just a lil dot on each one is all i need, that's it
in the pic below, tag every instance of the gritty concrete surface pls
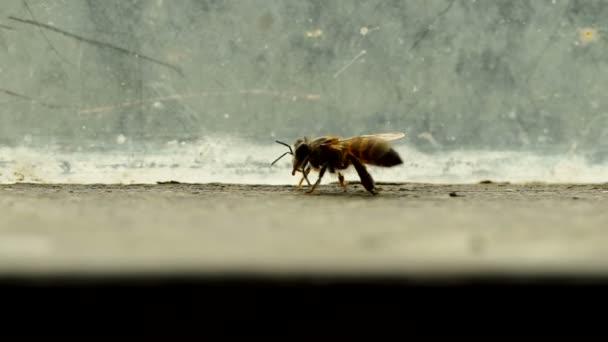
(411, 229)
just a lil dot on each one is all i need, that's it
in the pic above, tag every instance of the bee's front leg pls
(300, 183)
(321, 173)
(304, 177)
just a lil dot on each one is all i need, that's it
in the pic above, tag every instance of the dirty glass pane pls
(197, 91)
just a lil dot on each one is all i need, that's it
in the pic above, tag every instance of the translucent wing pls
(383, 136)
(324, 141)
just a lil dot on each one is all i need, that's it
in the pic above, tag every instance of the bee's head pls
(300, 157)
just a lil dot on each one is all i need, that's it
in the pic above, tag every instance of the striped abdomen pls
(373, 151)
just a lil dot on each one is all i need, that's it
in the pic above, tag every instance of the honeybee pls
(335, 154)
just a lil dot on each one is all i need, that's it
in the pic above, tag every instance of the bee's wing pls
(383, 136)
(329, 140)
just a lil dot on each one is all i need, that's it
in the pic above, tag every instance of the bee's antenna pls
(288, 146)
(282, 155)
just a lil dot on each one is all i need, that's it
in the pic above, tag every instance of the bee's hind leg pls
(366, 179)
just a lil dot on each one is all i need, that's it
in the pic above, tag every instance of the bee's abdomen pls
(375, 152)
(390, 158)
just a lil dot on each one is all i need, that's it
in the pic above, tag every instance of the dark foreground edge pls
(302, 305)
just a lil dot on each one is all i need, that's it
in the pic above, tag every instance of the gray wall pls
(489, 74)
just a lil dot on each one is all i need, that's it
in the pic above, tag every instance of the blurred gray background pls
(453, 74)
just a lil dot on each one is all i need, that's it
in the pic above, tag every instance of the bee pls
(334, 154)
